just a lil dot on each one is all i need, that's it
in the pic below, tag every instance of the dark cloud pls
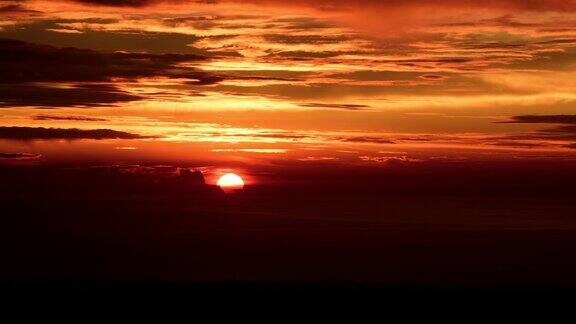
(28, 62)
(365, 139)
(17, 10)
(19, 156)
(335, 106)
(28, 70)
(74, 118)
(41, 133)
(543, 119)
(516, 144)
(82, 95)
(433, 77)
(436, 61)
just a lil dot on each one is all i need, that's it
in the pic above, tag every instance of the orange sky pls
(256, 82)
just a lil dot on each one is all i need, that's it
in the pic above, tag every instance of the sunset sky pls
(249, 85)
(199, 144)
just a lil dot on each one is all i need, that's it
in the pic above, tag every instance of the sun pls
(230, 182)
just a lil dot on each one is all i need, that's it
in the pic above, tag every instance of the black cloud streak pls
(92, 73)
(19, 156)
(366, 139)
(84, 95)
(41, 133)
(74, 118)
(542, 119)
(335, 106)
(27, 62)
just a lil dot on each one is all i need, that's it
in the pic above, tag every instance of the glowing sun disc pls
(230, 181)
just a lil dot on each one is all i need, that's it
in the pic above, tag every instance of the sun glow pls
(230, 182)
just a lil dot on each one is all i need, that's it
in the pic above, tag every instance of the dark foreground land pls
(404, 230)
